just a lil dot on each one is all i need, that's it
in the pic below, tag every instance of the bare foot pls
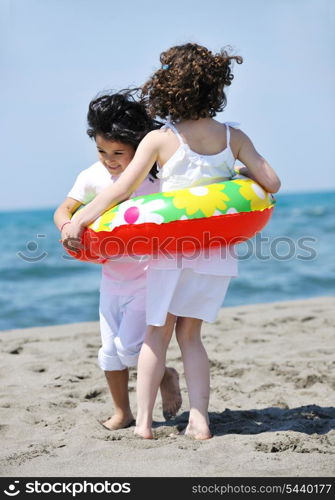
(199, 433)
(118, 421)
(143, 432)
(171, 395)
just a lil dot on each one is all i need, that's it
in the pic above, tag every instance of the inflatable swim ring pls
(179, 221)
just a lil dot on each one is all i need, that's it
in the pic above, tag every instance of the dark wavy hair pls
(120, 117)
(190, 84)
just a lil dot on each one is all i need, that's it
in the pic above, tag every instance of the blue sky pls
(56, 55)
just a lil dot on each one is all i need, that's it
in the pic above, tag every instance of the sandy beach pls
(272, 401)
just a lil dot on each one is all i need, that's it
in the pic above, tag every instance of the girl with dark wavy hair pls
(192, 150)
(117, 123)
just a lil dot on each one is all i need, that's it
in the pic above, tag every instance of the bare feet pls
(170, 391)
(199, 433)
(118, 421)
(143, 432)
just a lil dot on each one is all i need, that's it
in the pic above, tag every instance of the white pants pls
(122, 326)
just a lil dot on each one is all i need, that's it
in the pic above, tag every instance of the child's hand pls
(71, 236)
(64, 231)
(242, 171)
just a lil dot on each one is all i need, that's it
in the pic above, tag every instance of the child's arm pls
(135, 173)
(257, 168)
(63, 214)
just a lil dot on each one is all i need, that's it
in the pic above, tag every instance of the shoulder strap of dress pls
(230, 124)
(170, 125)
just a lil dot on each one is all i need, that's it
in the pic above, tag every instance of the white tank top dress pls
(191, 285)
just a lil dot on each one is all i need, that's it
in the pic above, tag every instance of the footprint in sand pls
(308, 381)
(16, 350)
(37, 369)
(288, 444)
(307, 318)
(306, 444)
(92, 394)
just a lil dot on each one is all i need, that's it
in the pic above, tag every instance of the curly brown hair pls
(190, 84)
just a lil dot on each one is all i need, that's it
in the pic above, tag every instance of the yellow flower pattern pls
(102, 222)
(208, 200)
(250, 190)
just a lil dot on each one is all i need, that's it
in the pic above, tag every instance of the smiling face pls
(114, 155)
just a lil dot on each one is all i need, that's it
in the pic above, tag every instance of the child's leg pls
(115, 371)
(118, 385)
(196, 367)
(170, 392)
(128, 343)
(151, 366)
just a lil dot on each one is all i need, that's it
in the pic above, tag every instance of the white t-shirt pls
(95, 178)
(124, 274)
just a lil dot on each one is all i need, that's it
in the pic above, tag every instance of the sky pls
(56, 55)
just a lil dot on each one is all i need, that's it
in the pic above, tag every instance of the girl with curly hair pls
(117, 123)
(192, 149)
